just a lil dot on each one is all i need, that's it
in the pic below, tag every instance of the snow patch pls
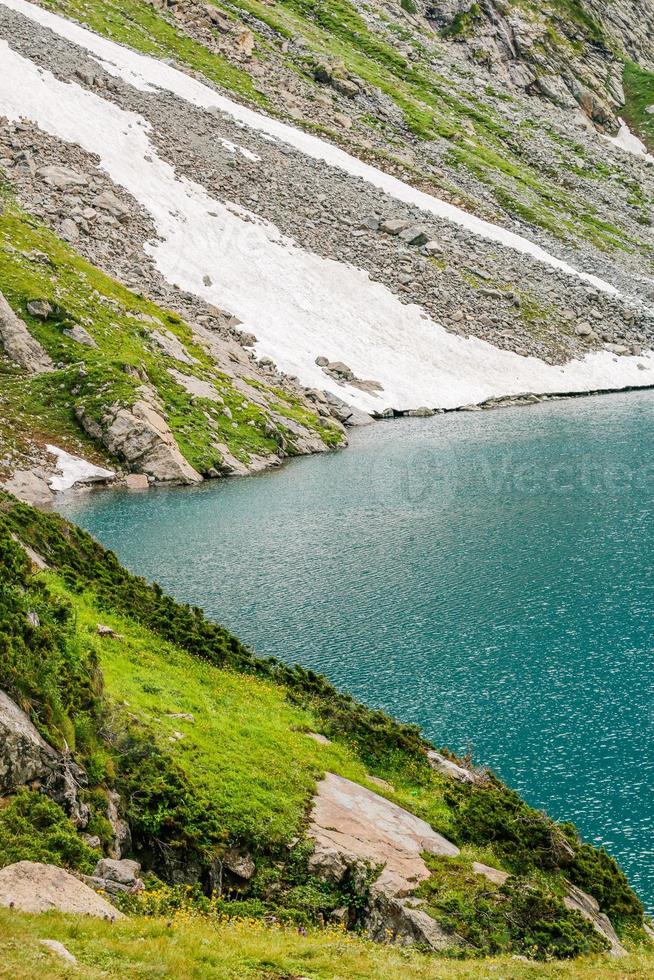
(149, 75)
(298, 304)
(235, 148)
(73, 469)
(626, 140)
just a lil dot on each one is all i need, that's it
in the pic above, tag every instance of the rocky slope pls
(482, 237)
(203, 781)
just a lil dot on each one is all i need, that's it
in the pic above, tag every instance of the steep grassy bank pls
(210, 750)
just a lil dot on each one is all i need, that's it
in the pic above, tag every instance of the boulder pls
(107, 201)
(39, 308)
(115, 876)
(449, 768)
(354, 829)
(141, 437)
(63, 178)
(19, 344)
(393, 226)
(351, 825)
(30, 488)
(578, 901)
(398, 920)
(240, 864)
(414, 235)
(32, 887)
(58, 949)
(80, 336)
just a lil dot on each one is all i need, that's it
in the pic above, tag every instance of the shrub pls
(33, 828)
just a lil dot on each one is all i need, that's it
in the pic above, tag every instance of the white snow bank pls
(298, 304)
(74, 470)
(148, 74)
(626, 140)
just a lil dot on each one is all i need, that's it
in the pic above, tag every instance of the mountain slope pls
(214, 757)
(472, 243)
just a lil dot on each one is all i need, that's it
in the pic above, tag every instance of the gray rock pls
(122, 838)
(393, 226)
(40, 308)
(31, 887)
(62, 178)
(241, 865)
(26, 758)
(58, 949)
(578, 901)
(107, 201)
(414, 235)
(18, 342)
(69, 230)
(80, 336)
(123, 871)
(449, 768)
(30, 488)
(141, 437)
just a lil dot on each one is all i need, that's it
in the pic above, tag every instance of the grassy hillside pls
(36, 264)
(209, 749)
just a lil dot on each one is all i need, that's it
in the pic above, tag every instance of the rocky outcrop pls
(566, 57)
(353, 828)
(451, 769)
(121, 834)
(32, 887)
(116, 877)
(27, 759)
(141, 437)
(19, 344)
(576, 900)
(29, 487)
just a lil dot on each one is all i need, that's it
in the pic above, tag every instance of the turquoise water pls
(486, 575)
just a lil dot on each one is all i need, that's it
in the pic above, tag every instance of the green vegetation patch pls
(639, 97)
(142, 27)
(520, 916)
(33, 828)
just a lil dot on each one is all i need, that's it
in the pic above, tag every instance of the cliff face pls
(251, 788)
(571, 53)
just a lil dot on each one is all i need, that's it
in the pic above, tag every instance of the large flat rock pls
(32, 887)
(350, 824)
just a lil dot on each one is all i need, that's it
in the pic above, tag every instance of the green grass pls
(247, 750)
(194, 949)
(141, 27)
(639, 95)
